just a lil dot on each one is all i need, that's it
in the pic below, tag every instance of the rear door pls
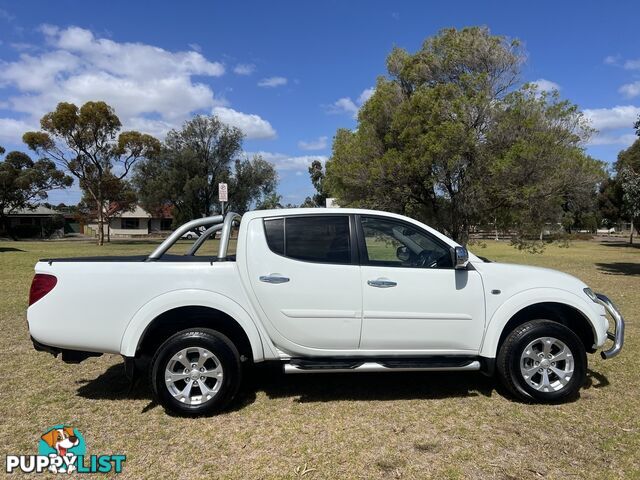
(305, 275)
(413, 298)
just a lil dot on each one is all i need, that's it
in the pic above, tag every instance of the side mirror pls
(461, 257)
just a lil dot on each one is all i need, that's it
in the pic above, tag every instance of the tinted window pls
(274, 230)
(318, 239)
(314, 239)
(396, 244)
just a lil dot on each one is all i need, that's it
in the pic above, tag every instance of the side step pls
(387, 365)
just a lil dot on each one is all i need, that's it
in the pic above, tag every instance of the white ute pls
(320, 290)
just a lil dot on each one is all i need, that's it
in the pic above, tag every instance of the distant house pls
(135, 223)
(34, 222)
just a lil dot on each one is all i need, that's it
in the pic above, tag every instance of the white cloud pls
(319, 143)
(623, 140)
(38, 74)
(272, 82)
(632, 64)
(346, 105)
(613, 124)
(150, 88)
(4, 15)
(366, 95)
(630, 90)
(285, 162)
(621, 116)
(135, 60)
(196, 47)
(244, 69)
(253, 126)
(157, 128)
(612, 60)
(11, 130)
(545, 85)
(23, 46)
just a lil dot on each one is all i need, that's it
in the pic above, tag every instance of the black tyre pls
(542, 361)
(196, 372)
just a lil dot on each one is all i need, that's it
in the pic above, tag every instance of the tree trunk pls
(100, 224)
(631, 236)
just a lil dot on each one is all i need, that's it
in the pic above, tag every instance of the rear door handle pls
(382, 283)
(274, 278)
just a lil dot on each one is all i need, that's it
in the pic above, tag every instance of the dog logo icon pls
(61, 449)
(63, 441)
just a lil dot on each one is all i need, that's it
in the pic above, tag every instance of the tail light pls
(40, 286)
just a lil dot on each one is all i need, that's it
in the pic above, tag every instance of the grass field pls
(333, 425)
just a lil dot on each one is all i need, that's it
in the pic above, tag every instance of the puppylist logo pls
(62, 449)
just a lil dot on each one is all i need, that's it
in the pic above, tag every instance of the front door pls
(304, 273)
(413, 298)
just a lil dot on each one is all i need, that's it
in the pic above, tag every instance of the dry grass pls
(333, 425)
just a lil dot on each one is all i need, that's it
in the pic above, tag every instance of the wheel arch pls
(178, 310)
(562, 308)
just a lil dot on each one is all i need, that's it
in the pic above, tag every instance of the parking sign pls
(223, 192)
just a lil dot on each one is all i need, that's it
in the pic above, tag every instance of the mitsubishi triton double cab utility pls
(320, 290)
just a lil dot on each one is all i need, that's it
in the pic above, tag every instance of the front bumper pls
(618, 334)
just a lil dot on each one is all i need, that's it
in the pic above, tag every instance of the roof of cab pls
(344, 211)
(316, 211)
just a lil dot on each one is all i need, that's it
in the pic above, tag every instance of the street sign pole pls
(223, 195)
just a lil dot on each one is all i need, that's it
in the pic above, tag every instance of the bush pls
(554, 237)
(52, 224)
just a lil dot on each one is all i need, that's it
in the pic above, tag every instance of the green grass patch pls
(424, 425)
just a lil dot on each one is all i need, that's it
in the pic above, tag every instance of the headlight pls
(591, 295)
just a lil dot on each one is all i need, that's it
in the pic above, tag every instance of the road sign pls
(223, 192)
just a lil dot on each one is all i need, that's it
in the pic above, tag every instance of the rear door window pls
(318, 238)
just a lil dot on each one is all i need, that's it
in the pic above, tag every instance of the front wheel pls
(542, 361)
(196, 372)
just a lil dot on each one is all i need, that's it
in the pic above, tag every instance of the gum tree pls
(88, 143)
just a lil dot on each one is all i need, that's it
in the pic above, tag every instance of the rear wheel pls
(196, 372)
(542, 361)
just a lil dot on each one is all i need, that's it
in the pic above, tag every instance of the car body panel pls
(438, 311)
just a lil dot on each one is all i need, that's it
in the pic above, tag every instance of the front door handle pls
(381, 283)
(274, 278)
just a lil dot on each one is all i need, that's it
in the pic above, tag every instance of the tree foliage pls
(23, 181)
(628, 175)
(87, 142)
(253, 181)
(449, 137)
(317, 176)
(610, 202)
(193, 161)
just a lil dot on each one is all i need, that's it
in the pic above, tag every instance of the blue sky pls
(289, 73)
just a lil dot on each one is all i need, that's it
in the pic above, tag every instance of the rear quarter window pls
(274, 231)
